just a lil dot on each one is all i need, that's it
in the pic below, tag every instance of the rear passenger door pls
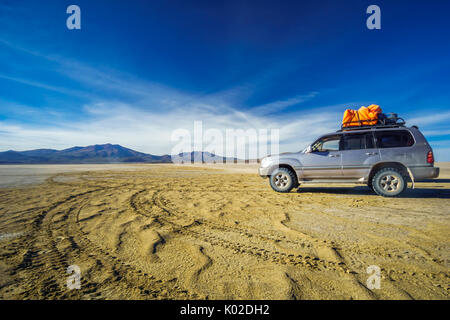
(359, 154)
(395, 145)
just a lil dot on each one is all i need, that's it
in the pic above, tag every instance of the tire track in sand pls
(198, 230)
(45, 260)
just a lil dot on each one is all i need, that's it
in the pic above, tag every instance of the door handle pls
(333, 155)
(371, 153)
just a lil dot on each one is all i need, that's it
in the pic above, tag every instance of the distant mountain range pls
(104, 153)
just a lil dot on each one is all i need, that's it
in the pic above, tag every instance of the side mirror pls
(308, 149)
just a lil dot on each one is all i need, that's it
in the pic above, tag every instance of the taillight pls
(430, 158)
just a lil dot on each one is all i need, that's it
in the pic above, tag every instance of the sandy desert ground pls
(215, 232)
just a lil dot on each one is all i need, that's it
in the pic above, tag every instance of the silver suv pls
(383, 157)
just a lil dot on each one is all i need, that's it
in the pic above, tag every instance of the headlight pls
(265, 162)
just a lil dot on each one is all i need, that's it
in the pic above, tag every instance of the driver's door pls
(324, 160)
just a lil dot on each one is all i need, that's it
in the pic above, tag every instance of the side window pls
(394, 139)
(330, 143)
(357, 141)
(369, 141)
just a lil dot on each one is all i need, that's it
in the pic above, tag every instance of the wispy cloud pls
(277, 106)
(41, 85)
(150, 131)
(431, 117)
(141, 114)
(434, 133)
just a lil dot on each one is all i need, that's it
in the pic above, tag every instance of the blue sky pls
(138, 70)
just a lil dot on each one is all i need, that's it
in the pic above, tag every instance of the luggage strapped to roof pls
(369, 117)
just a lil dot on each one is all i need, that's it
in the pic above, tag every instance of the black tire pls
(389, 182)
(283, 180)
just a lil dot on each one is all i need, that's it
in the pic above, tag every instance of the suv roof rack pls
(389, 120)
(376, 126)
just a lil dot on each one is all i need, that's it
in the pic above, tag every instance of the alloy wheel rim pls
(281, 180)
(390, 182)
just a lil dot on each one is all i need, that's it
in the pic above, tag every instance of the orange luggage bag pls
(365, 116)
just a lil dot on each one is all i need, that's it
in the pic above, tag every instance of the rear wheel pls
(389, 182)
(283, 180)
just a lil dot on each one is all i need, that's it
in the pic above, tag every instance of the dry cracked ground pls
(215, 232)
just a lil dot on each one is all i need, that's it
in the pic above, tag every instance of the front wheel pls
(283, 180)
(388, 182)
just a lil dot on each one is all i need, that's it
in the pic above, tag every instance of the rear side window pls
(394, 139)
(356, 141)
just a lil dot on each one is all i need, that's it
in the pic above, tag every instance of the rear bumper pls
(420, 173)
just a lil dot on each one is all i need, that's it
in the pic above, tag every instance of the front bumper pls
(420, 173)
(264, 172)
